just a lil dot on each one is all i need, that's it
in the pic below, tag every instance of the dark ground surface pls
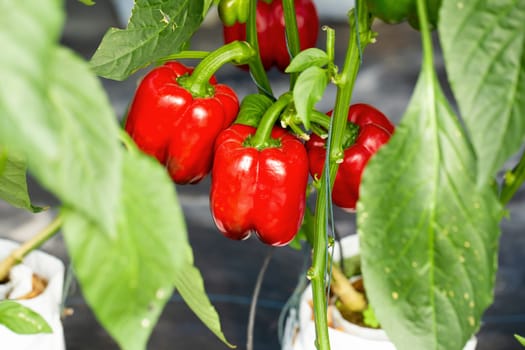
(230, 268)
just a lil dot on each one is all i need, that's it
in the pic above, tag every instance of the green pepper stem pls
(344, 93)
(264, 130)
(292, 34)
(237, 51)
(513, 181)
(330, 43)
(185, 55)
(350, 133)
(256, 67)
(428, 56)
(36, 241)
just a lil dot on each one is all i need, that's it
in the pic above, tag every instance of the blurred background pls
(229, 268)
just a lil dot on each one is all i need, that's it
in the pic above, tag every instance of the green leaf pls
(190, 285)
(484, 50)
(157, 28)
(128, 279)
(520, 339)
(308, 90)
(3, 161)
(87, 2)
(307, 58)
(252, 109)
(428, 231)
(21, 319)
(13, 184)
(55, 113)
(24, 70)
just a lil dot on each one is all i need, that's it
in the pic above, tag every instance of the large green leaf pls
(13, 184)
(429, 233)
(484, 50)
(21, 319)
(55, 112)
(127, 279)
(156, 29)
(29, 31)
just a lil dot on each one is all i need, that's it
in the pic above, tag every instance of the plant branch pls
(36, 241)
(359, 26)
(255, 297)
(256, 67)
(513, 181)
(292, 34)
(349, 296)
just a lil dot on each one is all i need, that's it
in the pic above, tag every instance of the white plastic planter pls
(301, 335)
(47, 304)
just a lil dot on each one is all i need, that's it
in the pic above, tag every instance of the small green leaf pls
(252, 109)
(369, 317)
(491, 92)
(307, 58)
(308, 90)
(13, 184)
(428, 231)
(135, 271)
(21, 319)
(87, 2)
(520, 339)
(157, 28)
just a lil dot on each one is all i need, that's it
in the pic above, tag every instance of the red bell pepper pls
(259, 190)
(374, 130)
(271, 31)
(166, 121)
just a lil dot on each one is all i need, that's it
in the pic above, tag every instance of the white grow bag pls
(47, 304)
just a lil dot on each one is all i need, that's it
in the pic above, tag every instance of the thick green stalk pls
(36, 241)
(198, 82)
(359, 33)
(264, 130)
(185, 55)
(292, 34)
(256, 67)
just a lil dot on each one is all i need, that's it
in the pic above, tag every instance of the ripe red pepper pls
(271, 31)
(259, 190)
(167, 122)
(374, 130)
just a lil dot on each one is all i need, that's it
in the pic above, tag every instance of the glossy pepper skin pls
(261, 191)
(271, 31)
(374, 131)
(397, 11)
(232, 11)
(178, 129)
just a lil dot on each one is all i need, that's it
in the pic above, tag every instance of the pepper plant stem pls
(256, 67)
(345, 84)
(185, 55)
(264, 130)
(292, 34)
(513, 181)
(237, 51)
(36, 241)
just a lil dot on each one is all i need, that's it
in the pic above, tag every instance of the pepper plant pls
(429, 198)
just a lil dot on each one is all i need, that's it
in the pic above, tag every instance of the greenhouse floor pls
(230, 268)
